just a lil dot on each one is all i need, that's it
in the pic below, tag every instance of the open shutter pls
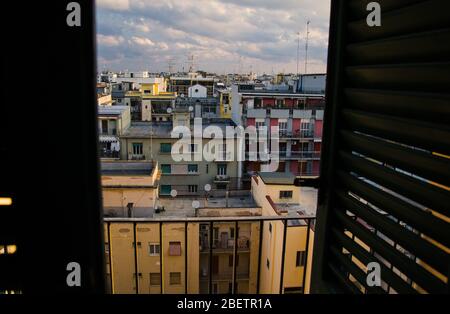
(385, 170)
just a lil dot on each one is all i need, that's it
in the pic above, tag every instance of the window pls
(222, 169)
(174, 248)
(280, 103)
(300, 259)
(192, 168)
(270, 227)
(231, 233)
(104, 126)
(285, 194)
(215, 234)
(260, 124)
(155, 279)
(165, 189)
(153, 249)
(165, 147)
(282, 126)
(207, 168)
(193, 188)
(257, 102)
(137, 148)
(175, 278)
(166, 169)
(267, 263)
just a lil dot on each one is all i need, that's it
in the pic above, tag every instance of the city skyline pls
(222, 36)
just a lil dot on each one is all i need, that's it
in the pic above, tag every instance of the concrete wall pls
(272, 241)
(197, 91)
(123, 257)
(206, 170)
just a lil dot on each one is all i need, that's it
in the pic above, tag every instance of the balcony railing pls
(106, 153)
(133, 242)
(296, 154)
(306, 154)
(222, 178)
(136, 157)
(297, 134)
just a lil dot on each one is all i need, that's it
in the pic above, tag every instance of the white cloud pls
(109, 40)
(260, 33)
(119, 5)
(141, 41)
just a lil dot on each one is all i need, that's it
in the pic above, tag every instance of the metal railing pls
(109, 153)
(208, 247)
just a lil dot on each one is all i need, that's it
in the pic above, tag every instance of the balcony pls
(218, 246)
(136, 157)
(107, 153)
(217, 259)
(221, 178)
(305, 154)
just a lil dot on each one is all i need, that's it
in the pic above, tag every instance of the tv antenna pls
(306, 46)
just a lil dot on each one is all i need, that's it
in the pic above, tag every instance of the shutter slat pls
(433, 137)
(421, 192)
(346, 283)
(410, 48)
(356, 272)
(357, 8)
(405, 104)
(421, 248)
(422, 163)
(404, 264)
(413, 216)
(414, 18)
(425, 77)
(389, 276)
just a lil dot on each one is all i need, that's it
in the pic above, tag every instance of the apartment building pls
(112, 122)
(181, 84)
(311, 83)
(153, 141)
(286, 245)
(224, 103)
(129, 188)
(299, 118)
(221, 245)
(139, 78)
(205, 107)
(148, 101)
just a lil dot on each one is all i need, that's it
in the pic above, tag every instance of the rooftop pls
(184, 206)
(163, 129)
(112, 110)
(124, 168)
(277, 178)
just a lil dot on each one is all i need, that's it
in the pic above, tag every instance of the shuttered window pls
(385, 172)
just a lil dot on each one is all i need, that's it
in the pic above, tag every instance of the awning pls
(108, 138)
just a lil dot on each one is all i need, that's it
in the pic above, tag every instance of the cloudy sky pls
(224, 36)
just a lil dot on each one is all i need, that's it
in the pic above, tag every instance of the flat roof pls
(183, 206)
(277, 178)
(112, 110)
(163, 129)
(124, 168)
(264, 92)
(187, 78)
